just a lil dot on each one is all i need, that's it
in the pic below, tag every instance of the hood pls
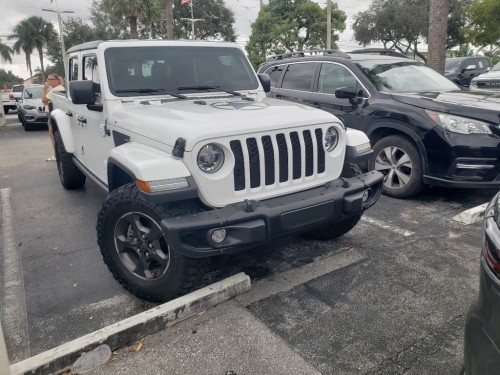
(476, 104)
(34, 102)
(492, 74)
(204, 119)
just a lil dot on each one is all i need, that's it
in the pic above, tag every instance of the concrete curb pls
(136, 327)
(472, 215)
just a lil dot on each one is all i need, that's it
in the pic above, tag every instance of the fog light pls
(366, 195)
(218, 235)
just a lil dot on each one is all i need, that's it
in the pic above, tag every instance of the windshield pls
(33, 92)
(453, 63)
(152, 70)
(404, 76)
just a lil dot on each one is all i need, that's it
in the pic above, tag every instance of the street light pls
(65, 62)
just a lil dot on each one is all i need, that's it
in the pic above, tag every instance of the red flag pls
(183, 2)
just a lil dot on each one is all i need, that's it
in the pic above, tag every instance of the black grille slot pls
(297, 162)
(254, 158)
(308, 144)
(321, 151)
(239, 166)
(268, 158)
(283, 155)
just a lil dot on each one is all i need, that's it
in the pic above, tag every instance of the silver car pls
(487, 81)
(31, 111)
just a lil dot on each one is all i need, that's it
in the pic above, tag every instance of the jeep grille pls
(264, 155)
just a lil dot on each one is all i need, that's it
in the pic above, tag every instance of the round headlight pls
(210, 158)
(331, 138)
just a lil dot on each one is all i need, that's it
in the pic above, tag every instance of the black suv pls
(461, 70)
(424, 129)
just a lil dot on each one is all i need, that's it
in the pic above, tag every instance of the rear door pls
(297, 82)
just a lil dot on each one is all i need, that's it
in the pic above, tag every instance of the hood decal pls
(240, 105)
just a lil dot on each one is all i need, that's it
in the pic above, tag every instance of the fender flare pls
(404, 129)
(141, 162)
(61, 122)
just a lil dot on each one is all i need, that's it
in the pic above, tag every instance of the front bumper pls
(249, 223)
(463, 160)
(32, 117)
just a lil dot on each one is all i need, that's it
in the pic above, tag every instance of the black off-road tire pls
(5, 109)
(71, 177)
(402, 179)
(181, 273)
(333, 230)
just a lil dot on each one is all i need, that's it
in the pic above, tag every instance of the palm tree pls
(24, 35)
(33, 33)
(169, 4)
(438, 27)
(5, 52)
(135, 10)
(43, 34)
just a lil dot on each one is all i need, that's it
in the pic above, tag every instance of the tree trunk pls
(133, 27)
(169, 4)
(40, 53)
(438, 27)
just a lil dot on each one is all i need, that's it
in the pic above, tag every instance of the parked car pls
(424, 129)
(31, 111)
(487, 81)
(482, 325)
(10, 98)
(462, 70)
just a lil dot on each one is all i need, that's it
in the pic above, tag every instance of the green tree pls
(107, 25)
(134, 11)
(24, 42)
(33, 33)
(9, 79)
(5, 52)
(217, 24)
(484, 27)
(291, 25)
(404, 24)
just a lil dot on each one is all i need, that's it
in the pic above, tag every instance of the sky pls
(245, 12)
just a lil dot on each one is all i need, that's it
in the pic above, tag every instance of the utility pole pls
(329, 24)
(61, 37)
(192, 20)
(261, 4)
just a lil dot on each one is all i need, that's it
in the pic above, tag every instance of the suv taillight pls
(11, 96)
(492, 254)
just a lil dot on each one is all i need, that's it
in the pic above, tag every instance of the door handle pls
(69, 113)
(81, 119)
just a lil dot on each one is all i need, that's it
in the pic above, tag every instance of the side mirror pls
(265, 81)
(346, 93)
(84, 92)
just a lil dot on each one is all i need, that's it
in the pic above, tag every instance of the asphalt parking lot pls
(390, 297)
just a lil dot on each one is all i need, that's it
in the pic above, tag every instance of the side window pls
(274, 73)
(299, 76)
(73, 68)
(468, 63)
(334, 76)
(90, 72)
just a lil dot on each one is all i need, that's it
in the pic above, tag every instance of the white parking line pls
(13, 304)
(389, 227)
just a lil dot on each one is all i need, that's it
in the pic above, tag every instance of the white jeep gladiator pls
(197, 160)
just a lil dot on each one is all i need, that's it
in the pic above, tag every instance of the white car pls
(487, 81)
(197, 160)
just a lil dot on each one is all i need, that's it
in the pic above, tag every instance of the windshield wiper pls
(235, 93)
(152, 91)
